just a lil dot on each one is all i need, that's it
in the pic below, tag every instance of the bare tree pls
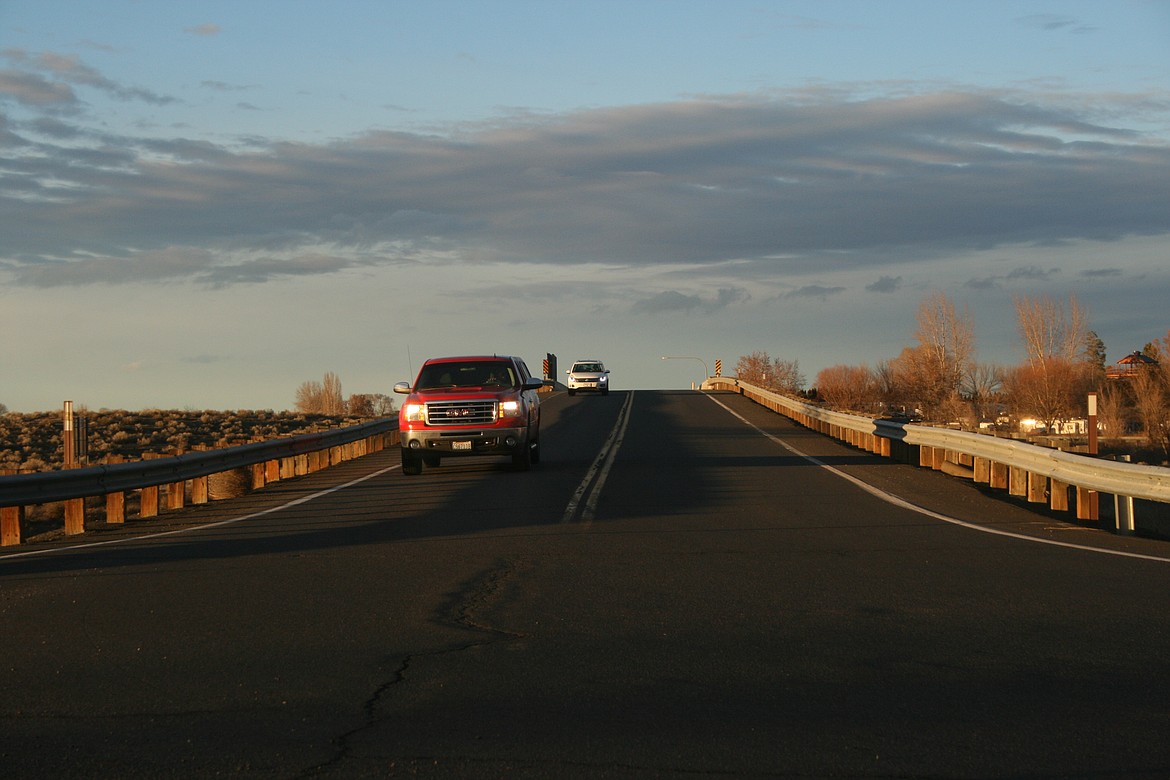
(370, 405)
(1049, 330)
(1059, 370)
(1051, 390)
(1112, 410)
(787, 376)
(854, 388)
(760, 369)
(1151, 391)
(321, 397)
(360, 405)
(935, 368)
(332, 401)
(753, 368)
(884, 380)
(981, 388)
(309, 397)
(1094, 355)
(383, 405)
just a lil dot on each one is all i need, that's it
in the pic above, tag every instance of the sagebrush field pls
(34, 441)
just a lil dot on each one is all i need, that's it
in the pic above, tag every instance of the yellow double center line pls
(599, 470)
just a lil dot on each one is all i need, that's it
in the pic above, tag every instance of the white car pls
(588, 375)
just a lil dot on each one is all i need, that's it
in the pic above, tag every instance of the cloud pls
(223, 86)
(814, 291)
(63, 70)
(726, 296)
(1029, 273)
(763, 189)
(886, 284)
(667, 301)
(206, 30)
(33, 90)
(154, 266)
(1054, 23)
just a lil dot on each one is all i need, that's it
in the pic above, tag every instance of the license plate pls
(460, 445)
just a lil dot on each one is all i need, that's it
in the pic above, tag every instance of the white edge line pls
(904, 504)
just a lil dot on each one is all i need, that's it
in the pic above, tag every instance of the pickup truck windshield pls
(440, 375)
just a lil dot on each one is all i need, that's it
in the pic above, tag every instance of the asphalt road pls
(687, 585)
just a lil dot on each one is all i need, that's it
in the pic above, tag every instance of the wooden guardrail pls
(259, 463)
(1066, 481)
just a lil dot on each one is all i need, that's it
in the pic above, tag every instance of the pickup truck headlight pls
(509, 408)
(414, 412)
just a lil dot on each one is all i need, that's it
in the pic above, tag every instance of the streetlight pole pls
(706, 373)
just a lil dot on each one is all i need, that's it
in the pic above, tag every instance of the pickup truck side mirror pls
(402, 387)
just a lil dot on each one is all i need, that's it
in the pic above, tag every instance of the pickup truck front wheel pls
(411, 463)
(522, 461)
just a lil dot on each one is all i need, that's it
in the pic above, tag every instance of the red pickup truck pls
(468, 406)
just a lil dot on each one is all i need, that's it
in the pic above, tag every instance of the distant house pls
(1075, 427)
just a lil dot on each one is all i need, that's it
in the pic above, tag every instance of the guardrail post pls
(10, 521)
(1086, 503)
(11, 518)
(200, 490)
(1037, 488)
(981, 468)
(176, 495)
(999, 475)
(74, 507)
(74, 516)
(272, 471)
(1123, 511)
(148, 496)
(148, 501)
(199, 493)
(1017, 481)
(1058, 495)
(116, 501)
(1123, 508)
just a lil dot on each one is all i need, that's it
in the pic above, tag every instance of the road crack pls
(464, 608)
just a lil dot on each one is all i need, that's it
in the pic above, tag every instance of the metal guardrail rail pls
(1127, 480)
(20, 490)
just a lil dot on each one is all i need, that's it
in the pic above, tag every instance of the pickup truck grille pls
(461, 412)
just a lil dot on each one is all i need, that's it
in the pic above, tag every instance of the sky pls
(204, 205)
